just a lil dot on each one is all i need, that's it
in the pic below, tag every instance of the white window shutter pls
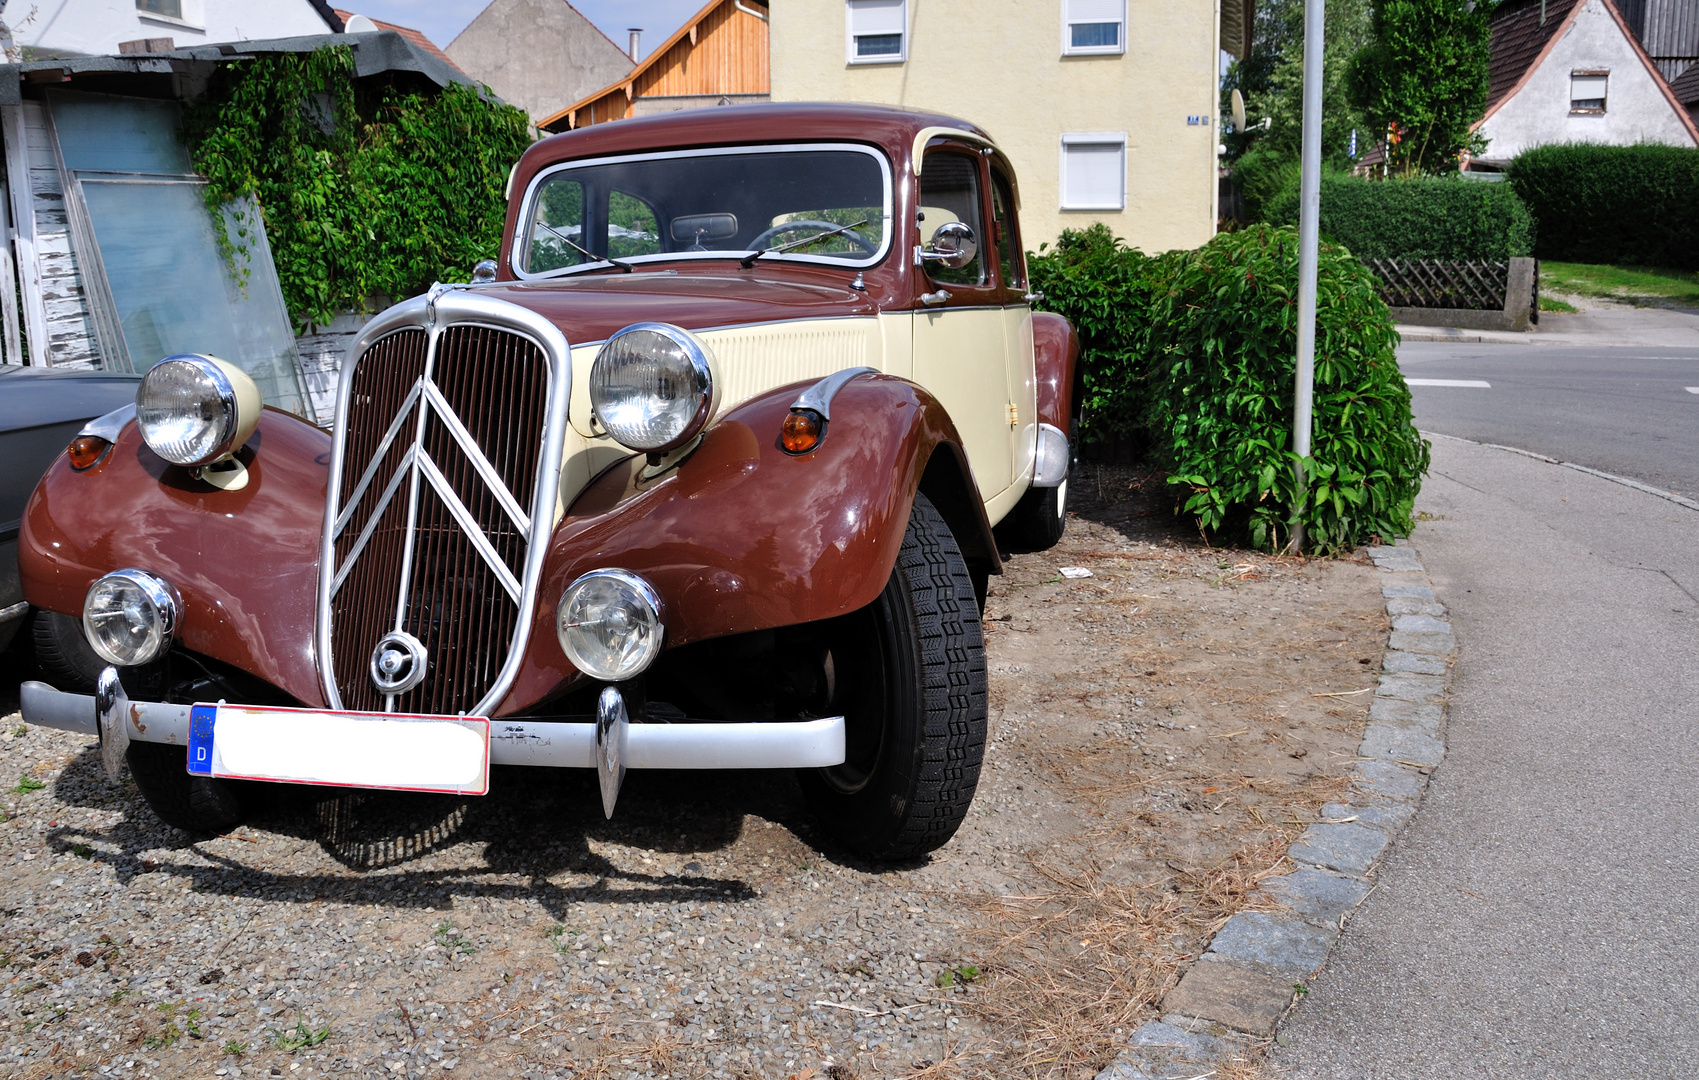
(1094, 172)
(877, 16)
(876, 30)
(1094, 10)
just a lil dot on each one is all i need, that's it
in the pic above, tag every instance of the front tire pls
(199, 805)
(910, 676)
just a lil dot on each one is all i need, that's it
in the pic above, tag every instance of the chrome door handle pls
(1033, 297)
(933, 299)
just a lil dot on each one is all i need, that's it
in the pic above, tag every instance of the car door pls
(960, 349)
(1017, 321)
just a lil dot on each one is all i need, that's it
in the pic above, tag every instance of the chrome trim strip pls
(359, 491)
(469, 447)
(525, 210)
(444, 306)
(111, 424)
(469, 526)
(819, 396)
(402, 471)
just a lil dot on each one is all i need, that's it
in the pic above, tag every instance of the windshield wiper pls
(584, 251)
(749, 260)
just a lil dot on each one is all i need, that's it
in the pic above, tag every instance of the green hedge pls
(1613, 204)
(1423, 218)
(1192, 352)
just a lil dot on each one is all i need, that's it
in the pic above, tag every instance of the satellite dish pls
(359, 24)
(1238, 110)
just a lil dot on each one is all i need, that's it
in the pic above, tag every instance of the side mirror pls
(485, 270)
(953, 245)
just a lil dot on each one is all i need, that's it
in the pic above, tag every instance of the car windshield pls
(708, 204)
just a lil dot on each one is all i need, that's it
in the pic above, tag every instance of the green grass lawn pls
(1640, 285)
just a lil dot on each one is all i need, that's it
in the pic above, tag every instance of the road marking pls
(1693, 389)
(1474, 384)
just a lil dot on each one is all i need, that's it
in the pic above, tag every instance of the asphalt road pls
(1626, 411)
(1539, 916)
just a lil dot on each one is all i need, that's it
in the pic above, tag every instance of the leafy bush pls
(1194, 350)
(366, 190)
(1421, 218)
(1612, 204)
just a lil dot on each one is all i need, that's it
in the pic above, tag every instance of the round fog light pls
(609, 624)
(129, 617)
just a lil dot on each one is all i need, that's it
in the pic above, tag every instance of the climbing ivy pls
(368, 190)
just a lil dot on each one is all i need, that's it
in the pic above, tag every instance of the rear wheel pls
(1040, 517)
(909, 672)
(200, 805)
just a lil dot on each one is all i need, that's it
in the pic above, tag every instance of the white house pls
(45, 29)
(1572, 71)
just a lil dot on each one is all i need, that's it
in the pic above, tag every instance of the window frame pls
(1090, 138)
(1070, 49)
(851, 57)
(1577, 109)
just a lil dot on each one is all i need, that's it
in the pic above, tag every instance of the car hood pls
(590, 307)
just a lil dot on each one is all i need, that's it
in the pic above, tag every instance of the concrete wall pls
(1000, 65)
(540, 55)
(95, 27)
(1636, 109)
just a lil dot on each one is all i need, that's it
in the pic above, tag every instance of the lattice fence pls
(1435, 283)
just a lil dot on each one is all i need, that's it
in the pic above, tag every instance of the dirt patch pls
(1161, 730)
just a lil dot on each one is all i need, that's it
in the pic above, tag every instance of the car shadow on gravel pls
(534, 837)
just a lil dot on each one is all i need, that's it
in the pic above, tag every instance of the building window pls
(877, 31)
(171, 9)
(1094, 27)
(1094, 171)
(1587, 91)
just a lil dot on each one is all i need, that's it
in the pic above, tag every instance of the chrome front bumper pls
(801, 744)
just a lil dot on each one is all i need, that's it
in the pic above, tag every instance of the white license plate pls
(341, 749)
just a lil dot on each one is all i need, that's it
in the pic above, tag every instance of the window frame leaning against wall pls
(874, 18)
(1081, 13)
(1586, 80)
(1081, 139)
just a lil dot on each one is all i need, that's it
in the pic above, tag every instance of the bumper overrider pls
(419, 753)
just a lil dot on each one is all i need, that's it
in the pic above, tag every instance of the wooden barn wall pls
(729, 57)
(69, 330)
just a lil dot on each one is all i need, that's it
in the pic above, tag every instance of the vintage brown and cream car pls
(708, 470)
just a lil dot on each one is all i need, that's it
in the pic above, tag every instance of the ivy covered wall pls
(368, 190)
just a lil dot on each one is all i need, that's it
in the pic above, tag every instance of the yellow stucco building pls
(1108, 108)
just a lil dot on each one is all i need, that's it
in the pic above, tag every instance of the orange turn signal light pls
(86, 450)
(801, 431)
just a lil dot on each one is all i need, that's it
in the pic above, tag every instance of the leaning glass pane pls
(177, 292)
(102, 133)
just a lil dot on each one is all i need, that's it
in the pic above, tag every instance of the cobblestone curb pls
(1258, 963)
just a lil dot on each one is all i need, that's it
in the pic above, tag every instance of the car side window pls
(1008, 238)
(559, 218)
(632, 229)
(949, 191)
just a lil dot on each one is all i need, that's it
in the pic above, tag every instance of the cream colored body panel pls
(962, 357)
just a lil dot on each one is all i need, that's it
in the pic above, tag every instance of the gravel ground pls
(1157, 737)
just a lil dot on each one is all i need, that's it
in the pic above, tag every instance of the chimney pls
(636, 33)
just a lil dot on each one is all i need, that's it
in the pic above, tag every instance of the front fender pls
(245, 563)
(743, 536)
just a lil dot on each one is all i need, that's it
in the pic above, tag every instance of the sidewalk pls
(1602, 326)
(1537, 917)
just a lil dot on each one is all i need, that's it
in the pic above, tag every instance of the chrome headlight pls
(609, 624)
(129, 617)
(653, 386)
(195, 409)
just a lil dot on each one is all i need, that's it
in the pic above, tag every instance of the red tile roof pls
(1521, 30)
(407, 32)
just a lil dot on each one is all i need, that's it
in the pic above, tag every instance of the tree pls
(1272, 82)
(1423, 80)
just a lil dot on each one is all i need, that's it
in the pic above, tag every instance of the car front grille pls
(443, 435)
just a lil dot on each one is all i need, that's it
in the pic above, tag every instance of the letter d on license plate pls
(363, 750)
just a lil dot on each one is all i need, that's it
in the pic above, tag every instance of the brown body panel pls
(1056, 351)
(245, 563)
(743, 536)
